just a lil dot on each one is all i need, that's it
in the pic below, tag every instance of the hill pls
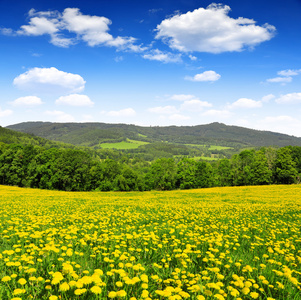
(95, 134)
(8, 136)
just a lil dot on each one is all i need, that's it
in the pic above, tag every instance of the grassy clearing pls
(211, 147)
(124, 145)
(217, 243)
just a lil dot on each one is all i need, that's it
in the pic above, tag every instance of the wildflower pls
(254, 295)
(19, 291)
(112, 294)
(53, 297)
(96, 290)
(22, 281)
(64, 287)
(6, 278)
(121, 293)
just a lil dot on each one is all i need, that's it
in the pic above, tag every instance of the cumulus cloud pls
(289, 72)
(94, 30)
(217, 113)
(127, 112)
(195, 105)
(75, 100)
(49, 80)
(212, 30)
(163, 110)
(267, 98)
(285, 76)
(60, 116)
(5, 112)
(205, 76)
(178, 117)
(165, 57)
(182, 97)
(293, 98)
(27, 101)
(280, 79)
(283, 123)
(246, 103)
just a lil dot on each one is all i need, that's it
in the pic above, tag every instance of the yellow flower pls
(245, 290)
(19, 291)
(200, 297)
(79, 291)
(121, 293)
(6, 278)
(112, 294)
(53, 297)
(22, 281)
(96, 289)
(64, 287)
(254, 295)
(119, 284)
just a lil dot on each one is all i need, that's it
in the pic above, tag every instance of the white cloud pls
(165, 57)
(163, 110)
(267, 98)
(178, 117)
(283, 124)
(285, 76)
(289, 72)
(182, 97)
(75, 100)
(192, 57)
(94, 30)
(127, 112)
(87, 118)
(212, 30)
(205, 76)
(27, 101)
(49, 80)
(280, 79)
(195, 105)
(5, 113)
(293, 98)
(217, 113)
(246, 103)
(60, 116)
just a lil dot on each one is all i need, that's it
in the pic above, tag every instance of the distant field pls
(124, 145)
(212, 147)
(217, 244)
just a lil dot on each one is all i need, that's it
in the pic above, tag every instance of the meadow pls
(216, 243)
(124, 145)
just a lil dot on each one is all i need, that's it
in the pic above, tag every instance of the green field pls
(124, 145)
(231, 243)
(211, 147)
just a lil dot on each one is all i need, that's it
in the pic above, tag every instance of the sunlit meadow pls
(218, 243)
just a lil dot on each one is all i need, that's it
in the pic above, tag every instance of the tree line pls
(76, 170)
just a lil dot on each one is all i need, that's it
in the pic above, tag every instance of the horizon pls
(150, 126)
(140, 63)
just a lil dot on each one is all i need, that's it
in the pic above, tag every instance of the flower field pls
(218, 243)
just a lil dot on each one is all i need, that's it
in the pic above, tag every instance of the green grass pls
(211, 147)
(124, 145)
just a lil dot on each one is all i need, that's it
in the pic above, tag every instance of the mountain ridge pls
(95, 133)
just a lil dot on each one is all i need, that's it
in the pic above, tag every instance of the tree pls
(162, 174)
(186, 173)
(259, 170)
(284, 167)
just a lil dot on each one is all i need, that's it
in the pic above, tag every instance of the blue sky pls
(152, 62)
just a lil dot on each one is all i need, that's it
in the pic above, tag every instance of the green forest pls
(27, 160)
(76, 170)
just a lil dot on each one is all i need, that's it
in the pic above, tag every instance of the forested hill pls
(93, 134)
(8, 136)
